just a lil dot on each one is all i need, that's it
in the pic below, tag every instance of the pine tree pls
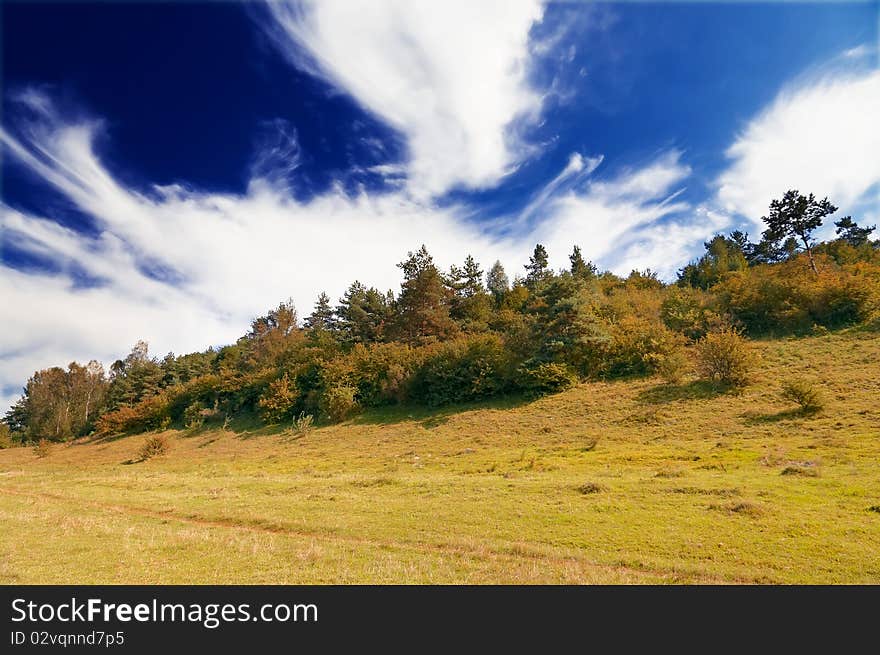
(362, 314)
(497, 282)
(723, 254)
(581, 269)
(423, 303)
(322, 318)
(795, 217)
(470, 306)
(134, 378)
(473, 278)
(538, 269)
(850, 232)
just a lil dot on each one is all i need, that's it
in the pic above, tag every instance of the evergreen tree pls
(796, 216)
(362, 314)
(470, 305)
(322, 318)
(178, 370)
(740, 240)
(497, 282)
(850, 232)
(566, 327)
(538, 269)
(423, 303)
(472, 275)
(134, 378)
(723, 254)
(581, 269)
(766, 251)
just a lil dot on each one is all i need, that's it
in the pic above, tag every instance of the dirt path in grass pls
(485, 552)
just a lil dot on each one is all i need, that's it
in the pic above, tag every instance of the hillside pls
(629, 481)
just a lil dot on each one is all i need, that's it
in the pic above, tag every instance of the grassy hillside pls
(633, 481)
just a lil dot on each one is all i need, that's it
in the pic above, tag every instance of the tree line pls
(464, 334)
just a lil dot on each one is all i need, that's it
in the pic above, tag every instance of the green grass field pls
(619, 482)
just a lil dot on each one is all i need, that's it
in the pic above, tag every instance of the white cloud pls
(858, 52)
(578, 166)
(632, 220)
(232, 257)
(451, 76)
(820, 136)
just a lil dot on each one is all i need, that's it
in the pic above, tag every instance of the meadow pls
(627, 481)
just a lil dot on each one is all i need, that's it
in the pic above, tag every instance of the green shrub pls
(465, 369)
(672, 366)
(153, 446)
(278, 400)
(638, 347)
(685, 310)
(302, 424)
(338, 403)
(5, 436)
(192, 416)
(804, 393)
(380, 372)
(547, 377)
(726, 357)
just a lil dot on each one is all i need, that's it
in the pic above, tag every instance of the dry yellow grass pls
(623, 482)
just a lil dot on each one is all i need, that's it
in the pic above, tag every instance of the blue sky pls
(172, 169)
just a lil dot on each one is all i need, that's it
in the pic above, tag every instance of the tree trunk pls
(88, 401)
(810, 255)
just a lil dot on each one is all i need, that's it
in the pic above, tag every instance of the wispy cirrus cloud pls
(632, 220)
(225, 258)
(457, 90)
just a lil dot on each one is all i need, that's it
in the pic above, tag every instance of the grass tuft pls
(801, 470)
(590, 488)
(741, 507)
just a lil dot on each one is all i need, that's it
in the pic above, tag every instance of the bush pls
(43, 448)
(279, 399)
(5, 436)
(672, 366)
(148, 414)
(638, 347)
(302, 424)
(726, 357)
(805, 394)
(192, 415)
(548, 377)
(843, 298)
(590, 488)
(462, 370)
(338, 403)
(153, 446)
(381, 373)
(790, 298)
(685, 310)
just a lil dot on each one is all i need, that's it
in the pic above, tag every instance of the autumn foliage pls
(459, 335)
